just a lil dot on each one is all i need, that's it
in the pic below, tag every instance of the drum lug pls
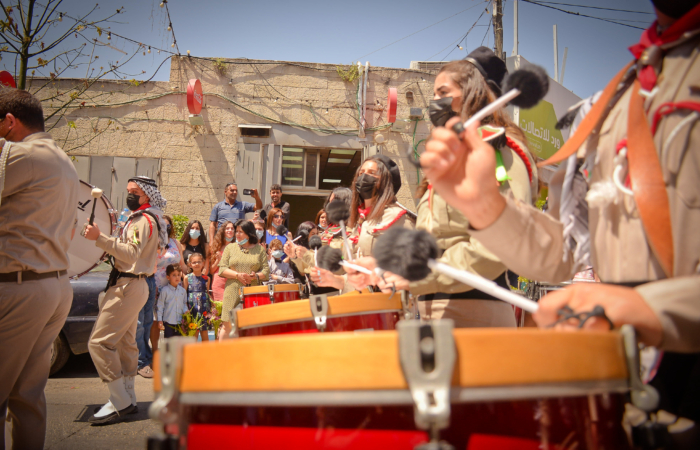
(319, 309)
(644, 396)
(166, 407)
(405, 305)
(271, 293)
(427, 355)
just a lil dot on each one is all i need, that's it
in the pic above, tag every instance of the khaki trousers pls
(31, 316)
(469, 313)
(112, 343)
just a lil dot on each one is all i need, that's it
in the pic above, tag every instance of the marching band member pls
(112, 344)
(38, 209)
(636, 155)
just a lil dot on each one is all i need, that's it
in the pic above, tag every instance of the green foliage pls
(180, 223)
(220, 66)
(349, 75)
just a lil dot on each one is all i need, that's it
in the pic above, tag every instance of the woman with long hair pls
(224, 236)
(332, 234)
(194, 240)
(243, 263)
(373, 210)
(464, 87)
(275, 218)
(321, 220)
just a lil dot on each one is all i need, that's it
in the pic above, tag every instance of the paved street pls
(71, 396)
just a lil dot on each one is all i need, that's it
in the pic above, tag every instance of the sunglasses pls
(278, 217)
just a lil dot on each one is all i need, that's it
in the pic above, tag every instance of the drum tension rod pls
(271, 293)
(319, 310)
(427, 354)
(643, 396)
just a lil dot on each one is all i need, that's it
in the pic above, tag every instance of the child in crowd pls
(172, 302)
(197, 296)
(280, 272)
(260, 231)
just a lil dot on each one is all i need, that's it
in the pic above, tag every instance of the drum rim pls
(403, 396)
(311, 319)
(293, 287)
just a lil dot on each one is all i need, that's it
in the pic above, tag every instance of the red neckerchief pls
(651, 38)
(144, 206)
(363, 212)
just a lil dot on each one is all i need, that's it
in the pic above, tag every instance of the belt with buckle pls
(28, 275)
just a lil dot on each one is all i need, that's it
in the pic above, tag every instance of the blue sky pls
(343, 32)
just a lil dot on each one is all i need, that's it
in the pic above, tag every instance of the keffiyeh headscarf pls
(151, 189)
(157, 202)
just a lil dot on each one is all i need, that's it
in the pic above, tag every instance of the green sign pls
(538, 124)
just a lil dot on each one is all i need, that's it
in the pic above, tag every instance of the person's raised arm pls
(212, 232)
(258, 200)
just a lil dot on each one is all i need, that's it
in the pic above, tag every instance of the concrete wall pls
(151, 120)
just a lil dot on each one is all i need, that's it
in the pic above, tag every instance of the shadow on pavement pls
(142, 414)
(78, 366)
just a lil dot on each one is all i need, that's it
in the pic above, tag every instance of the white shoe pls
(119, 404)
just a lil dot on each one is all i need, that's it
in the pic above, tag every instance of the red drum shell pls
(372, 321)
(259, 299)
(587, 422)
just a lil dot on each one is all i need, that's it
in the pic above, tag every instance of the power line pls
(416, 32)
(599, 7)
(583, 15)
(456, 44)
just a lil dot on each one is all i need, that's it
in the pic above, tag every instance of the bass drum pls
(83, 254)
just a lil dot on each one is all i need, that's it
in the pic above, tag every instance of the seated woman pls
(242, 264)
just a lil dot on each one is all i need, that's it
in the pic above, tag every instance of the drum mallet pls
(411, 255)
(95, 194)
(338, 212)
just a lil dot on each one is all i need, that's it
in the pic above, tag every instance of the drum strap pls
(4, 153)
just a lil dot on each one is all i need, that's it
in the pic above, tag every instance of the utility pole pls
(515, 28)
(498, 28)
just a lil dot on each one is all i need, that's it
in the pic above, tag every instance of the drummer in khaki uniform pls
(463, 87)
(113, 341)
(37, 218)
(651, 286)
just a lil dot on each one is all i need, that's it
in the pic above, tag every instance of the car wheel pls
(59, 353)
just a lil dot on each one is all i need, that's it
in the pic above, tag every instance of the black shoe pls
(111, 418)
(134, 411)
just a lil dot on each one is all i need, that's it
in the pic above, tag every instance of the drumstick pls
(95, 193)
(411, 255)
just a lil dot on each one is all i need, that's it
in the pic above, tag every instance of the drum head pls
(83, 254)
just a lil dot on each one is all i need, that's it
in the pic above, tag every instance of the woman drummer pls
(243, 263)
(373, 210)
(465, 87)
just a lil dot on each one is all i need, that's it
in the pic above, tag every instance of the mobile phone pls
(247, 192)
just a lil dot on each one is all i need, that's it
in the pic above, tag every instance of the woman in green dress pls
(242, 264)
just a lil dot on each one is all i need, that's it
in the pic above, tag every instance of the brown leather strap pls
(589, 122)
(648, 182)
(28, 275)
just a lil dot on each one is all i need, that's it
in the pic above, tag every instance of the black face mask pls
(440, 111)
(132, 202)
(365, 185)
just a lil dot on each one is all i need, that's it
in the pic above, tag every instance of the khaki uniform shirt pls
(135, 251)
(371, 230)
(39, 206)
(531, 242)
(451, 230)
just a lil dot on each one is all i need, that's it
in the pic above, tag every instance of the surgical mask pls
(365, 185)
(440, 111)
(243, 242)
(228, 239)
(260, 233)
(132, 202)
(277, 254)
(194, 234)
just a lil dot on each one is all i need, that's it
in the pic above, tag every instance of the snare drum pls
(506, 389)
(83, 254)
(349, 312)
(269, 294)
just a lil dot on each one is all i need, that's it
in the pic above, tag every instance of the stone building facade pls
(264, 122)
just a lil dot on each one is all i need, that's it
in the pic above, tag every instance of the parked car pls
(75, 333)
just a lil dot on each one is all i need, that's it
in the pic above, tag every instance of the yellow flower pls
(193, 326)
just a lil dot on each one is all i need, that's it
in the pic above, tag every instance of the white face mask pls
(277, 254)
(260, 233)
